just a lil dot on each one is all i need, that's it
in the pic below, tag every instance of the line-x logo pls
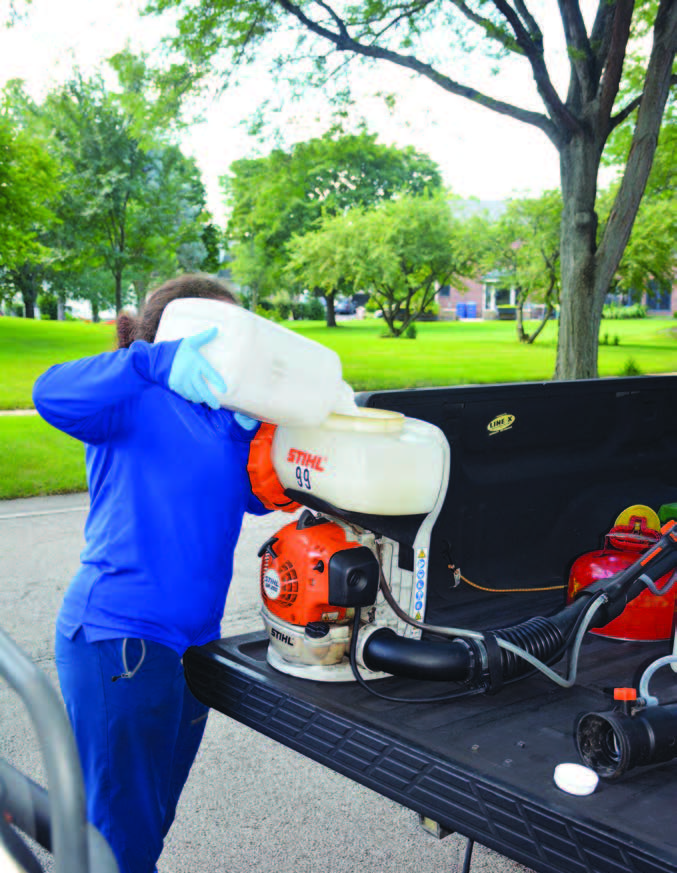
(500, 423)
(305, 459)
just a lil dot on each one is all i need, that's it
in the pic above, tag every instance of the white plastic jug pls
(271, 373)
(376, 462)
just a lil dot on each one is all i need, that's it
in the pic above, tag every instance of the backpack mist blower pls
(338, 603)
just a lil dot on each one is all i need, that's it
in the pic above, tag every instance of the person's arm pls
(83, 398)
(255, 507)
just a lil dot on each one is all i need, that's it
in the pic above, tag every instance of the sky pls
(480, 153)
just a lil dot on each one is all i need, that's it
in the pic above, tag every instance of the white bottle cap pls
(575, 779)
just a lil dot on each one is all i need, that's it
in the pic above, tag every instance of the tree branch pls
(406, 13)
(652, 104)
(578, 45)
(574, 26)
(601, 32)
(530, 22)
(338, 21)
(620, 117)
(613, 67)
(561, 117)
(344, 42)
(488, 26)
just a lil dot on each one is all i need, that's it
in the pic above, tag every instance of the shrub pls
(48, 306)
(267, 312)
(410, 332)
(630, 368)
(612, 310)
(315, 310)
(283, 309)
(310, 310)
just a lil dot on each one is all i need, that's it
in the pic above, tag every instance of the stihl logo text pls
(283, 638)
(305, 459)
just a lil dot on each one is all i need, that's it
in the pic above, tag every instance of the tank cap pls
(575, 779)
(625, 694)
(315, 630)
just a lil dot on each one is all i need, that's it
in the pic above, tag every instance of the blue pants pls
(137, 737)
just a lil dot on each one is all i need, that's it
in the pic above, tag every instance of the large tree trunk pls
(29, 305)
(118, 291)
(140, 289)
(26, 280)
(580, 307)
(588, 271)
(331, 314)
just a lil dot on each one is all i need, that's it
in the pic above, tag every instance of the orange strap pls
(265, 484)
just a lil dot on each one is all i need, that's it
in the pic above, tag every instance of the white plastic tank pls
(375, 462)
(271, 373)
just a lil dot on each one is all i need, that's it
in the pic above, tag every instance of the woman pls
(167, 475)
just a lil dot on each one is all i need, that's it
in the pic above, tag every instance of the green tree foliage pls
(212, 242)
(433, 39)
(97, 201)
(651, 253)
(401, 251)
(29, 181)
(524, 243)
(288, 192)
(131, 202)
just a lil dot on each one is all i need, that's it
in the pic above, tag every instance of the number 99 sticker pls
(304, 462)
(303, 477)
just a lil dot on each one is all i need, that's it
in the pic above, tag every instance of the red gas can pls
(648, 617)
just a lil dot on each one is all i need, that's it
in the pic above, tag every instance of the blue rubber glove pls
(190, 370)
(245, 421)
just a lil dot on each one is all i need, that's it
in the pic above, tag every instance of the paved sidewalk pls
(18, 412)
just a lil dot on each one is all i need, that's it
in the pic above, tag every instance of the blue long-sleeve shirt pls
(168, 490)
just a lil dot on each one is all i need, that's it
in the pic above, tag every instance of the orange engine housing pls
(311, 572)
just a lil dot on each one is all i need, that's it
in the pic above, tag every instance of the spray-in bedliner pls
(539, 472)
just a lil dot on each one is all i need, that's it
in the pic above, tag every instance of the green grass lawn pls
(43, 461)
(444, 353)
(29, 347)
(455, 353)
(37, 459)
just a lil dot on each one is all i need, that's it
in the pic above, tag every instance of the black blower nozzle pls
(463, 659)
(613, 742)
(484, 662)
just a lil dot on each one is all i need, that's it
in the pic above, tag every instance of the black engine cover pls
(353, 577)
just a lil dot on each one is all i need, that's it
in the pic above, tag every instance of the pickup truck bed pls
(522, 504)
